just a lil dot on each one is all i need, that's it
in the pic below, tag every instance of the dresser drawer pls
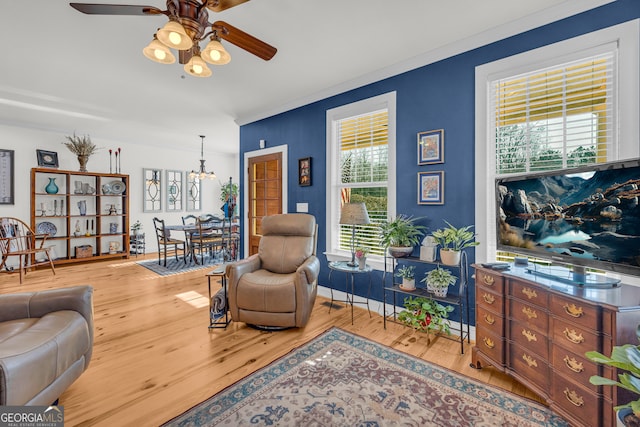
(489, 321)
(529, 339)
(489, 300)
(575, 311)
(574, 367)
(574, 338)
(583, 404)
(490, 345)
(528, 365)
(531, 315)
(491, 281)
(531, 294)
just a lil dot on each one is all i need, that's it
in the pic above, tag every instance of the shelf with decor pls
(85, 214)
(457, 295)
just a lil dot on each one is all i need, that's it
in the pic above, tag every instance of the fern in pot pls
(438, 281)
(400, 235)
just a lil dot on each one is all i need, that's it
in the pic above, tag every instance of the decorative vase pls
(83, 159)
(78, 187)
(51, 188)
(362, 263)
(450, 257)
(82, 207)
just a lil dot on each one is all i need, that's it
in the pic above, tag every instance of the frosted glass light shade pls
(158, 52)
(174, 35)
(214, 53)
(197, 67)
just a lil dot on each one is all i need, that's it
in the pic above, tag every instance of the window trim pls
(627, 110)
(384, 101)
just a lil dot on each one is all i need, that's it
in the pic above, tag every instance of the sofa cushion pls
(42, 351)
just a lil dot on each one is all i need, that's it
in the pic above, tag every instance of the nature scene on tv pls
(593, 215)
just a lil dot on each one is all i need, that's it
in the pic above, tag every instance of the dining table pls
(218, 227)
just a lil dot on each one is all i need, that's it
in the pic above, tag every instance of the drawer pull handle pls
(573, 311)
(488, 342)
(488, 280)
(573, 364)
(530, 293)
(573, 397)
(530, 361)
(530, 336)
(489, 319)
(531, 314)
(488, 298)
(573, 336)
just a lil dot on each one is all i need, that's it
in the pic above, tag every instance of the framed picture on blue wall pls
(431, 188)
(431, 147)
(304, 171)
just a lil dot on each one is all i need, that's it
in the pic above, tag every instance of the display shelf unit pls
(86, 217)
(137, 244)
(459, 299)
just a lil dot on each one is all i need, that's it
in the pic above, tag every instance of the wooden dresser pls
(538, 330)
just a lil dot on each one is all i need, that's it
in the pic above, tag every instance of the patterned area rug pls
(177, 267)
(341, 379)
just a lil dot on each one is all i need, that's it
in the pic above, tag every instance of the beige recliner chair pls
(46, 341)
(276, 288)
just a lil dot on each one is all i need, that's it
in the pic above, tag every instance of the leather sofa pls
(277, 287)
(46, 341)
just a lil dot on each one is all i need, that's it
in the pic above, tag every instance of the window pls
(360, 168)
(563, 105)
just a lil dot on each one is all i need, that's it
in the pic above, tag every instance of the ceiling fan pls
(188, 25)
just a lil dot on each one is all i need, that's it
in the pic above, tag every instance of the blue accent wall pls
(438, 95)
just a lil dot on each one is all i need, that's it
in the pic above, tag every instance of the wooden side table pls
(343, 267)
(222, 321)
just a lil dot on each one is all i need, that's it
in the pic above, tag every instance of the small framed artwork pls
(431, 147)
(304, 171)
(7, 177)
(47, 159)
(431, 188)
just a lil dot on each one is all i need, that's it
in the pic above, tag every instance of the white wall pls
(134, 159)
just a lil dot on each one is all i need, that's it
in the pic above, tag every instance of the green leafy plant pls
(406, 272)
(228, 189)
(401, 231)
(627, 358)
(439, 278)
(455, 239)
(426, 315)
(80, 145)
(136, 227)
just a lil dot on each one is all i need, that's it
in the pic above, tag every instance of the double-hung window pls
(360, 149)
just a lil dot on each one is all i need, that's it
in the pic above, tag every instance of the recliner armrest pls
(237, 269)
(311, 269)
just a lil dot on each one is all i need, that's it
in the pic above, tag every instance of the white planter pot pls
(449, 257)
(428, 253)
(408, 284)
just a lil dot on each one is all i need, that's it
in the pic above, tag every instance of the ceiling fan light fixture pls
(158, 52)
(174, 35)
(214, 53)
(197, 67)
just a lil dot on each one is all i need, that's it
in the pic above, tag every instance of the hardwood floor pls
(154, 356)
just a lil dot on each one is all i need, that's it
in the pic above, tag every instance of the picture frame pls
(152, 182)
(431, 188)
(7, 177)
(47, 159)
(431, 147)
(174, 190)
(304, 172)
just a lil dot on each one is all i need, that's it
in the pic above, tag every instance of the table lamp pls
(354, 214)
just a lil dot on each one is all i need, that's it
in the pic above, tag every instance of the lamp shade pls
(354, 214)
(158, 52)
(214, 53)
(174, 35)
(197, 67)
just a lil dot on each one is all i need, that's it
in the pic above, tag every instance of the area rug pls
(341, 379)
(177, 267)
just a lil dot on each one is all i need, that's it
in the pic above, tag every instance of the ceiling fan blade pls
(244, 40)
(115, 9)
(220, 5)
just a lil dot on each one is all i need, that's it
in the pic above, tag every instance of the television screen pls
(586, 216)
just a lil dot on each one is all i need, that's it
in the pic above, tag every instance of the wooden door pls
(265, 194)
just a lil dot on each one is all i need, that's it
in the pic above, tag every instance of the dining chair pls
(206, 238)
(18, 240)
(165, 240)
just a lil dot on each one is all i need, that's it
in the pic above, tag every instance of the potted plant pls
(452, 240)
(229, 196)
(82, 147)
(361, 256)
(426, 315)
(407, 272)
(400, 235)
(438, 281)
(627, 358)
(136, 228)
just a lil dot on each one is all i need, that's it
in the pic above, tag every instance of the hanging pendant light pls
(158, 52)
(214, 53)
(202, 173)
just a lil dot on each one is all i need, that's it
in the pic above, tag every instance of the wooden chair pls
(18, 240)
(164, 239)
(205, 239)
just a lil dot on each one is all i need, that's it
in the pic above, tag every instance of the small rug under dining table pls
(341, 379)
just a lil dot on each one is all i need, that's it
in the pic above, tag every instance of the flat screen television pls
(585, 217)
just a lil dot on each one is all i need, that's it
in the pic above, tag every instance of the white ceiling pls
(64, 71)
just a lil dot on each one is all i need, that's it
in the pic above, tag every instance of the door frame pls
(283, 149)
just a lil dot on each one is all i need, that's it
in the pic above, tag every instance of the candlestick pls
(109, 160)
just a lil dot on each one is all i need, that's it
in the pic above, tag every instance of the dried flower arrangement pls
(80, 145)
